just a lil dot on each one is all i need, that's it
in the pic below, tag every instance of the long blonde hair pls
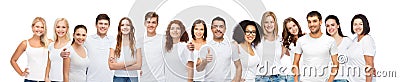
(67, 26)
(131, 37)
(43, 38)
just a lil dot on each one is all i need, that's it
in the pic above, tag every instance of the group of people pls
(257, 53)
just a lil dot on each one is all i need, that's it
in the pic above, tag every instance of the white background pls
(16, 17)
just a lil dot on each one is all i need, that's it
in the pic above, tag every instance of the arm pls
(295, 68)
(335, 68)
(238, 74)
(370, 68)
(138, 64)
(190, 71)
(112, 63)
(66, 64)
(46, 77)
(285, 51)
(204, 62)
(18, 52)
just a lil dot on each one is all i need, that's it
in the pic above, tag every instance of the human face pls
(358, 26)
(175, 31)
(269, 24)
(218, 29)
(199, 31)
(80, 36)
(250, 33)
(293, 28)
(151, 24)
(38, 29)
(314, 24)
(125, 27)
(102, 26)
(331, 26)
(61, 29)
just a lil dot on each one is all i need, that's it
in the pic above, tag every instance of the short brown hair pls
(103, 17)
(151, 15)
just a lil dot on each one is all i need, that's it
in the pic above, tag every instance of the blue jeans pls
(271, 78)
(287, 78)
(340, 80)
(125, 79)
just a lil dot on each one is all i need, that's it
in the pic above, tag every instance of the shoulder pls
(304, 37)
(367, 39)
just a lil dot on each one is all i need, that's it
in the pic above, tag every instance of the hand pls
(47, 79)
(209, 56)
(112, 60)
(141, 73)
(25, 73)
(64, 53)
(190, 46)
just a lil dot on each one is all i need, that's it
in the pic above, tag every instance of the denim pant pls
(125, 79)
(340, 80)
(271, 78)
(287, 78)
(26, 80)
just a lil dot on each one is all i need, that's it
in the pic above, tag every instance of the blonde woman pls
(61, 41)
(36, 50)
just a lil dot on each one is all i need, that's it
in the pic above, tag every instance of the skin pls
(314, 24)
(294, 30)
(151, 24)
(332, 28)
(60, 31)
(369, 60)
(196, 44)
(38, 30)
(102, 27)
(218, 28)
(269, 27)
(79, 37)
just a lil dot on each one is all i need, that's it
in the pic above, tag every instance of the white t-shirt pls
(342, 48)
(153, 59)
(316, 54)
(356, 52)
(270, 52)
(176, 63)
(37, 62)
(126, 56)
(98, 50)
(249, 64)
(78, 66)
(219, 70)
(197, 76)
(56, 67)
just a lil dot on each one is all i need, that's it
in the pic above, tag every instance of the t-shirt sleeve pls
(298, 48)
(235, 51)
(187, 54)
(333, 50)
(368, 46)
(139, 43)
(113, 45)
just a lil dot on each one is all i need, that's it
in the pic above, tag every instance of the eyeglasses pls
(219, 26)
(250, 32)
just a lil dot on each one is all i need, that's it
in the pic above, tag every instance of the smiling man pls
(317, 50)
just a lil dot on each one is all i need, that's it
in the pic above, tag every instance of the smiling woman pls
(36, 50)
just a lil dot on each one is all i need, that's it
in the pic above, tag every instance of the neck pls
(218, 39)
(101, 35)
(61, 40)
(125, 39)
(336, 36)
(175, 40)
(360, 37)
(151, 34)
(270, 36)
(76, 45)
(199, 40)
(316, 35)
(34, 37)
